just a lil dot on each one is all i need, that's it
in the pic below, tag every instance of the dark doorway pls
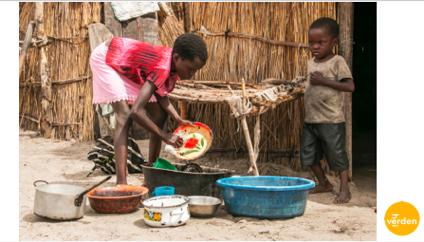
(364, 99)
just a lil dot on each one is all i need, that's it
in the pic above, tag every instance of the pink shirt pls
(141, 61)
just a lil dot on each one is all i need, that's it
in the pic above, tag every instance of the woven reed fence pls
(68, 50)
(241, 40)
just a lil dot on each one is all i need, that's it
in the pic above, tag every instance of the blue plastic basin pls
(265, 196)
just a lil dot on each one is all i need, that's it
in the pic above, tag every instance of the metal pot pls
(61, 201)
(185, 183)
(203, 206)
(57, 201)
(166, 211)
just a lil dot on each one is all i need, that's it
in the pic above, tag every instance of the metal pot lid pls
(172, 201)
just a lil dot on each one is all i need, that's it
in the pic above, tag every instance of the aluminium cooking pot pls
(61, 201)
(57, 201)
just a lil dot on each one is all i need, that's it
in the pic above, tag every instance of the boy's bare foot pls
(326, 187)
(343, 197)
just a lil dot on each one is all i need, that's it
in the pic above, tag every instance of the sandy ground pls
(65, 161)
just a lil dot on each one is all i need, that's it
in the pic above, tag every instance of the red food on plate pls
(191, 143)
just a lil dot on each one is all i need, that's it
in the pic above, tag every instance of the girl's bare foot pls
(321, 188)
(343, 197)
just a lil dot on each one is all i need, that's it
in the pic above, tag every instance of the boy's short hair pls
(328, 23)
(189, 46)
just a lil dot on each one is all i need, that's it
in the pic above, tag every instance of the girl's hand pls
(174, 140)
(185, 122)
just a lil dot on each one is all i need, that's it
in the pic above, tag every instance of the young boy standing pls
(324, 127)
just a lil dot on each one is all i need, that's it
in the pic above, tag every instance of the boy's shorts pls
(328, 139)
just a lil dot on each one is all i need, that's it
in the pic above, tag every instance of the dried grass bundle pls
(65, 25)
(170, 26)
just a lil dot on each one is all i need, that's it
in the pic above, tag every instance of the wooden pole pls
(187, 20)
(46, 119)
(257, 137)
(168, 11)
(97, 34)
(183, 109)
(345, 19)
(25, 45)
(252, 157)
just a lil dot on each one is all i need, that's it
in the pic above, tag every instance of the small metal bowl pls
(203, 206)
